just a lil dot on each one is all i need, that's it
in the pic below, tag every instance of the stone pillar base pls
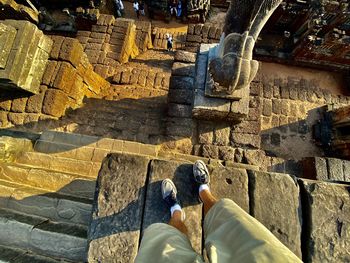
(233, 109)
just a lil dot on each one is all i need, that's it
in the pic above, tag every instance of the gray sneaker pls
(169, 192)
(200, 172)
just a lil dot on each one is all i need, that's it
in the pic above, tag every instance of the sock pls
(174, 208)
(203, 187)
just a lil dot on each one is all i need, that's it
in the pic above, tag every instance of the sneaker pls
(169, 192)
(200, 173)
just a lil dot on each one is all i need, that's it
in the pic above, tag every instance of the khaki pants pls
(231, 235)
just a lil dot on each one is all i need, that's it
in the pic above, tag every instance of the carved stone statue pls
(234, 68)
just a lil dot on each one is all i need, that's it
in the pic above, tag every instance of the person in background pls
(136, 8)
(169, 42)
(142, 8)
(179, 8)
(119, 7)
(173, 10)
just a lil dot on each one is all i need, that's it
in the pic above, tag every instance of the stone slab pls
(230, 183)
(7, 37)
(156, 210)
(327, 207)
(335, 169)
(275, 202)
(117, 210)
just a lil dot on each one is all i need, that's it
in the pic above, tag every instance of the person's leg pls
(208, 200)
(176, 221)
(231, 234)
(169, 194)
(168, 242)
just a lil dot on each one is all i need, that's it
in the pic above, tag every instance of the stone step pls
(15, 255)
(70, 167)
(42, 177)
(70, 145)
(42, 236)
(88, 148)
(54, 206)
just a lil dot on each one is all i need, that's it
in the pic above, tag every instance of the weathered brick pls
(34, 103)
(285, 107)
(210, 151)
(49, 72)
(19, 104)
(71, 51)
(65, 77)
(56, 47)
(16, 118)
(55, 103)
(268, 91)
(3, 119)
(276, 106)
(267, 107)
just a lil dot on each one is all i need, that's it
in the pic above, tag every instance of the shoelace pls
(171, 198)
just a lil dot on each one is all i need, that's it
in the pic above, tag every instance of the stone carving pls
(233, 67)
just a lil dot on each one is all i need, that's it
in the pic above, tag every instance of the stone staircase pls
(46, 193)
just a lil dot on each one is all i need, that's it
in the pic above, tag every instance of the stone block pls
(205, 132)
(335, 169)
(34, 103)
(71, 51)
(19, 104)
(245, 139)
(5, 103)
(179, 110)
(268, 91)
(278, 208)
(267, 107)
(181, 82)
(7, 37)
(222, 135)
(285, 107)
(252, 127)
(183, 69)
(226, 153)
(3, 119)
(50, 71)
(180, 96)
(184, 56)
(116, 226)
(179, 127)
(230, 183)
(210, 151)
(65, 77)
(16, 118)
(56, 47)
(276, 106)
(155, 211)
(55, 103)
(327, 208)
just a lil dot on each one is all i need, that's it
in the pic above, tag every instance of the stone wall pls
(326, 169)
(113, 41)
(68, 77)
(143, 77)
(159, 38)
(290, 108)
(201, 33)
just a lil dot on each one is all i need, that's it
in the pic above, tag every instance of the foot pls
(169, 193)
(200, 173)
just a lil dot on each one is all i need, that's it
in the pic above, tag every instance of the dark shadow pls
(141, 120)
(292, 142)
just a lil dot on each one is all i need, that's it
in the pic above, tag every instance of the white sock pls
(203, 187)
(174, 208)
